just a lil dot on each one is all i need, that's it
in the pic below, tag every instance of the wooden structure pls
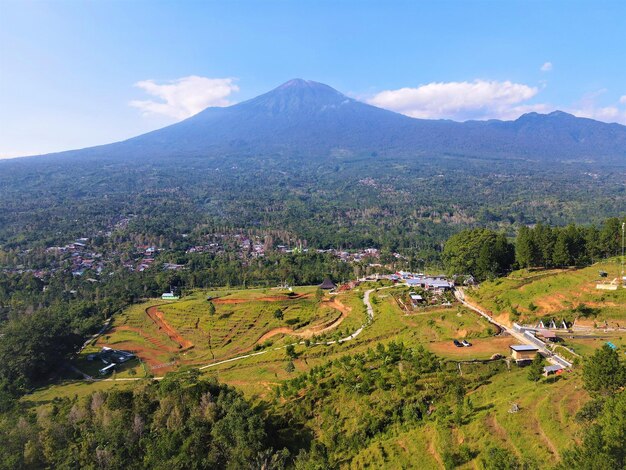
(553, 370)
(523, 353)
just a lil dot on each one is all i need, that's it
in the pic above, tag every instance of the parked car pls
(457, 343)
(467, 344)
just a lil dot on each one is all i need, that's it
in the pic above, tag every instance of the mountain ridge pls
(304, 118)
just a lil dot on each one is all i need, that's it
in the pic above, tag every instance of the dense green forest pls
(484, 253)
(393, 203)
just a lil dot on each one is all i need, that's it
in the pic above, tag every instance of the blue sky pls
(75, 74)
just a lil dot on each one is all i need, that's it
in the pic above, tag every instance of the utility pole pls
(623, 280)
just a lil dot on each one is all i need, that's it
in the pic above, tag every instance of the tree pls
(278, 314)
(290, 350)
(535, 369)
(290, 367)
(603, 373)
(561, 255)
(544, 240)
(525, 248)
(211, 309)
(610, 237)
(480, 252)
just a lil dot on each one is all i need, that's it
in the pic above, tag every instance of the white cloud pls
(588, 107)
(185, 96)
(479, 99)
(606, 114)
(546, 67)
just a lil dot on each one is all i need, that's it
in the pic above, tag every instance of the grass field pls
(542, 428)
(244, 322)
(185, 333)
(563, 294)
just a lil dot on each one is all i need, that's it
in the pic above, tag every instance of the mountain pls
(303, 118)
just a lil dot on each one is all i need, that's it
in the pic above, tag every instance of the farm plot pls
(210, 326)
(135, 331)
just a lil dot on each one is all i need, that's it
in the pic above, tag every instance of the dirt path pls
(157, 318)
(491, 345)
(314, 330)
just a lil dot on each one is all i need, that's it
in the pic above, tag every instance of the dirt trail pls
(314, 330)
(157, 318)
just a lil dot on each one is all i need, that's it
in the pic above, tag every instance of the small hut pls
(553, 370)
(327, 284)
(523, 353)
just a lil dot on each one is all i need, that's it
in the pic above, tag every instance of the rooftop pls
(524, 347)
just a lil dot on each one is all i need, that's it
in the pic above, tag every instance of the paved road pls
(554, 358)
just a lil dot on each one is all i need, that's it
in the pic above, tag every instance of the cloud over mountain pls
(479, 99)
(184, 97)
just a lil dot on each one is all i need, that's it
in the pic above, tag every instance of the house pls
(548, 335)
(416, 299)
(553, 370)
(169, 296)
(112, 356)
(414, 282)
(523, 353)
(437, 284)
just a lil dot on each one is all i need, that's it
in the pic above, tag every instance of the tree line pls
(485, 253)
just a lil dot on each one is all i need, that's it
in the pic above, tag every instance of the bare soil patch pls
(157, 317)
(314, 330)
(483, 346)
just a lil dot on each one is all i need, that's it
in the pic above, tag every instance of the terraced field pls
(167, 335)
